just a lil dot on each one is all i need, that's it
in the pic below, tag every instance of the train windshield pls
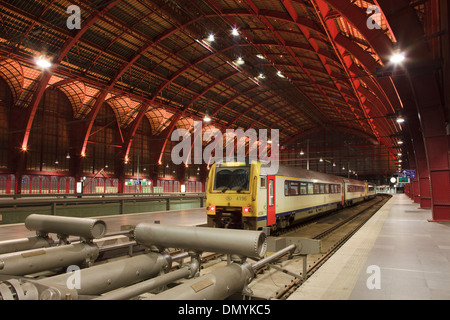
(232, 178)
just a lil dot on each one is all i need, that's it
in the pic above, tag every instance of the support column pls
(421, 75)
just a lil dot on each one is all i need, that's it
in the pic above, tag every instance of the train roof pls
(296, 172)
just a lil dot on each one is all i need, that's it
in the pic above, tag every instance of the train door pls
(270, 200)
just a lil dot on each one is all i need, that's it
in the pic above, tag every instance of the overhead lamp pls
(397, 57)
(400, 120)
(239, 61)
(400, 142)
(301, 152)
(67, 156)
(261, 76)
(24, 148)
(43, 62)
(321, 160)
(280, 74)
(235, 31)
(260, 56)
(334, 164)
(206, 118)
(399, 154)
(210, 37)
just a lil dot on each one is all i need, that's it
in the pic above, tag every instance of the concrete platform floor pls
(397, 254)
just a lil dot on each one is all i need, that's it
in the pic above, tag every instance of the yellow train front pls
(231, 195)
(250, 196)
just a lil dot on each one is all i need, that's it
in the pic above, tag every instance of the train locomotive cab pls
(231, 195)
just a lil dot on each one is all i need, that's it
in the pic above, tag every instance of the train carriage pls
(245, 196)
(354, 191)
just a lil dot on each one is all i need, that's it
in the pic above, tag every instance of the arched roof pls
(293, 65)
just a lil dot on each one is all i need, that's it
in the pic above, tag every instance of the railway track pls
(280, 281)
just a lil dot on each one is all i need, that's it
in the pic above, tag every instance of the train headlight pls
(211, 208)
(246, 209)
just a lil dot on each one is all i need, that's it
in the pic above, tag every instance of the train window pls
(353, 188)
(338, 188)
(262, 182)
(303, 187)
(293, 188)
(332, 188)
(321, 188)
(232, 178)
(327, 188)
(316, 188)
(271, 193)
(310, 188)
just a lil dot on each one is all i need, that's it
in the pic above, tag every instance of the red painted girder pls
(272, 14)
(364, 57)
(46, 75)
(357, 16)
(322, 9)
(274, 62)
(304, 133)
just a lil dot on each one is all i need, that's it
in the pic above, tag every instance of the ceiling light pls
(400, 120)
(321, 160)
(399, 154)
(261, 76)
(280, 74)
(206, 118)
(301, 152)
(397, 57)
(235, 31)
(67, 156)
(43, 62)
(240, 61)
(260, 56)
(210, 37)
(400, 142)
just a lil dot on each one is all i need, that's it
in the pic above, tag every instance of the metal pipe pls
(229, 241)
(221, 283)
(81, 227)
(31, 261)
(217, 285)
(117, 246)
(148, 285)
(107, 277)
(273, 257)
(29, 243)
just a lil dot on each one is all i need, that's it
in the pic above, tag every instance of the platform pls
(186, 217)
(397, 254)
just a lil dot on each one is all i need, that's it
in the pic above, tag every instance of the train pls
(242, 195)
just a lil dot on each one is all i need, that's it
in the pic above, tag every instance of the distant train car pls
(241, 195)
(354, 191)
